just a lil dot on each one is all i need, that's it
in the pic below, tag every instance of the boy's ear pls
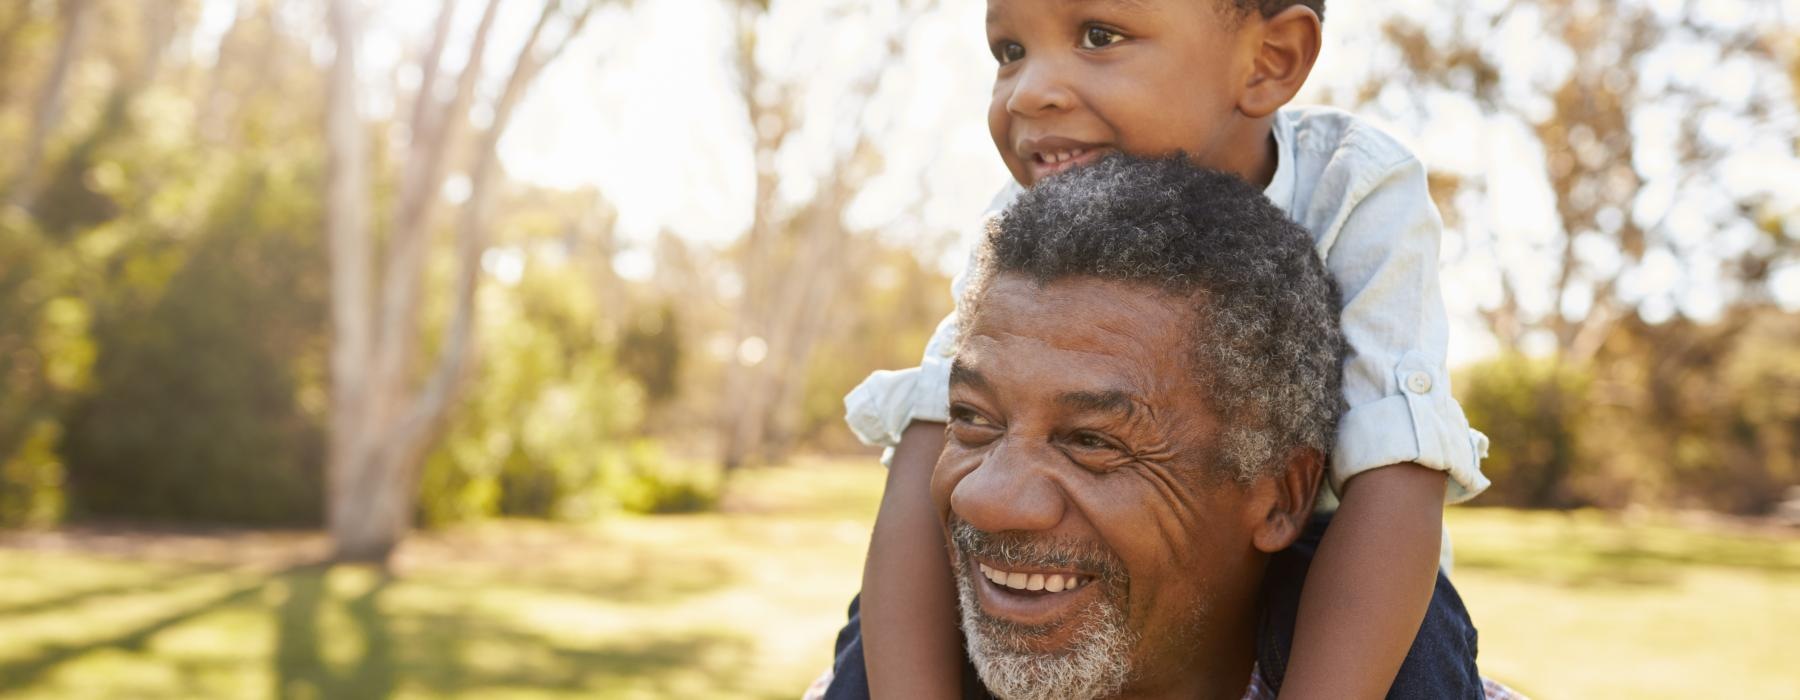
(1283, 503)
(1284, 58)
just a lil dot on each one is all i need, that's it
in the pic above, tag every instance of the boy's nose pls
(1039, 88)
(1008, 491)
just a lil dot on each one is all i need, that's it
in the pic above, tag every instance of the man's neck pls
(1218, 673)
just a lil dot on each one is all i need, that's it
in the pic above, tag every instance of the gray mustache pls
(1013, 549)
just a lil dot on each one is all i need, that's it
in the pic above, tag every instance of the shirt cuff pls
(879, 409)
(1422, 424)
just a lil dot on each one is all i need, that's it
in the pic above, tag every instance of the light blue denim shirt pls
(1364, 198)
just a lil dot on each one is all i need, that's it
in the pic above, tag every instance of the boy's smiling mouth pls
(1049, 156)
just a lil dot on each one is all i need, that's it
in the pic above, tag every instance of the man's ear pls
(1284, 502)
(1284, 58)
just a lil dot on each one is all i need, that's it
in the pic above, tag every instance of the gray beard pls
(1096, 665)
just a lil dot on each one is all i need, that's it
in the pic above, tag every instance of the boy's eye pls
(1009, 51)
(1099, 37)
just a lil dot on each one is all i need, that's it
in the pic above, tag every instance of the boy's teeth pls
(1053, 583)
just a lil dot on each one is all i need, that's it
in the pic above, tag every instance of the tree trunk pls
(48, 110)
(348, 462)
(382, 426)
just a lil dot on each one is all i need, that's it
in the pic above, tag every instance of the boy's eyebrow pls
(1127, 5)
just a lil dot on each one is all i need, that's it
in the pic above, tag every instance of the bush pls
(31, 479)
(1532, 413)
(195, 413)
(650, 482)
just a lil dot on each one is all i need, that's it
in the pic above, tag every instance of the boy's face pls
(1078, 78)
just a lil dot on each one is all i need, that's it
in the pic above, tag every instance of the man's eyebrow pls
(962, 373)
(1109, 401)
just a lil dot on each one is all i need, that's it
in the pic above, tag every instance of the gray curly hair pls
(1266, 347)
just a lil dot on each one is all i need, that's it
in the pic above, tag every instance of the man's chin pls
(1082, 653)
(1046, 621)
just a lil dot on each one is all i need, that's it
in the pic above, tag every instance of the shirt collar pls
(1281, 186)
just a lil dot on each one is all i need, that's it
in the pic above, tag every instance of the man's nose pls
(1009, 490)
(1040, 87)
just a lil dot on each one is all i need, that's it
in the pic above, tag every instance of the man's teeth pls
(1054, 583)
(1060, 156)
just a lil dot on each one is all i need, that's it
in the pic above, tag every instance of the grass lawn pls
(744, 603)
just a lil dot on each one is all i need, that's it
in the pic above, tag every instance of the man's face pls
(1079, 78)
(1079, 458)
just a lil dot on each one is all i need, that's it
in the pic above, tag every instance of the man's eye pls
(967, 416)
(1099, 37)
(1091, 441)
(1008, 51)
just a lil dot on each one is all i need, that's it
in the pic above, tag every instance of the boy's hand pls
(1369, 585)
(911, 645)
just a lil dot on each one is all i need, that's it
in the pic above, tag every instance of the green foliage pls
(650, 482)
(195, 412)
(31, 477)
(45, 355)
(651, 349)
(1531, 411)
(1702, 415)
(544, 428)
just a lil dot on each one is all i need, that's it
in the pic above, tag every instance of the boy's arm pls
(1369, 585)
(1404, 442)
(911, 645)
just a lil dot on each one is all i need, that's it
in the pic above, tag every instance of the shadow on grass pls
(336, 644)
(459, 650)
(18, 674)
(645, 579)
(75, 598)
(301, 669)
(1584, 556)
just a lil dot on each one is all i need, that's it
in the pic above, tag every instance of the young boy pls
(1079, 78)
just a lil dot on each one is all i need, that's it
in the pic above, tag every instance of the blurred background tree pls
(1653, 128)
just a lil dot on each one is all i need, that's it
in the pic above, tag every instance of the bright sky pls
(645, 108)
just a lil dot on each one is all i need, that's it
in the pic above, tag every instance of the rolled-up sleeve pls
(879, 409)
(1384, 257)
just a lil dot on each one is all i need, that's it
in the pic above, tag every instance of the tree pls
(1633, 147)
(47, 110)
(383, 416)
(792, 258)
(1657, 255)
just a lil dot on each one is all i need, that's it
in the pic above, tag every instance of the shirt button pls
(1418, 383)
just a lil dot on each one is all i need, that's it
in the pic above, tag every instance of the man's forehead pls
(1105, 344)
(1082, 309)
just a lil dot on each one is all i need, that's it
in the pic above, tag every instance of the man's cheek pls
(953, 464)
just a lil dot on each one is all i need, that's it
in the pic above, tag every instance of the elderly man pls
(1139, 413)
(1140, 408)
